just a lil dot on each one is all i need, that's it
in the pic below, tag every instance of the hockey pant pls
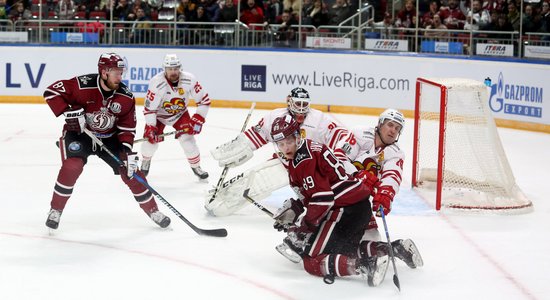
(75, 150)
(261, 180)
(333, 249)
(187, 143)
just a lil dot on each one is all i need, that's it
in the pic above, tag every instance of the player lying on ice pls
(321, 128)
(326, 223)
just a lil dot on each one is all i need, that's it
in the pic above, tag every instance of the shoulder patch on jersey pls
(123, 90)
(301, 154)
(87, 81)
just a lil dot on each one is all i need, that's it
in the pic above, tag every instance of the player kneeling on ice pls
(375, 152)
(102, 104)
(271, 175)
(326, 223)
(166, 104)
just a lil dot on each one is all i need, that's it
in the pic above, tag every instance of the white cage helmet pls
(392, 115)
(171, 61)
(298, 103)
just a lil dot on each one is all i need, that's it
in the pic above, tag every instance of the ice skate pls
(406, 251)
(200, 173)
(160, 219)
(53, 218)
(374, 267)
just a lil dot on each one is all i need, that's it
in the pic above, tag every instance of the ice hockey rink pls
(107, 248)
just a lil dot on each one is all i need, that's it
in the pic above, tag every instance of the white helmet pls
(171, 61)
(392, 115)
(298, 103)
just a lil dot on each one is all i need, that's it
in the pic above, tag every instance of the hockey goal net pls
(458, 158)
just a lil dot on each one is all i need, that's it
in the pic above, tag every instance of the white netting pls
(476, 173)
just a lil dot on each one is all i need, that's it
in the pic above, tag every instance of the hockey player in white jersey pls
(267, 177)
(375, 150)
(166, 104)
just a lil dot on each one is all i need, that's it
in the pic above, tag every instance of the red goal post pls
(458, 158)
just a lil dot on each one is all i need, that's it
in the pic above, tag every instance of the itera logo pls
(253, 78)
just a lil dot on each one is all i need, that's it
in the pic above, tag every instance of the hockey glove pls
(151, 134)
(384, 198)
(195, 125)
(131, 161)
(298, 236)
(75, 120)
(369, 180)
(287, 214)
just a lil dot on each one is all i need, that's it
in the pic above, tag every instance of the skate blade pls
(288, 253)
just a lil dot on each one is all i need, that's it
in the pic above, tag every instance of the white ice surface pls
(106, 248)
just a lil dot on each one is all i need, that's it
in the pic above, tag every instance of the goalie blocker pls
(261, 180)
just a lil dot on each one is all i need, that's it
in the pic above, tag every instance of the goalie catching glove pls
(233, 153)
(287, 214)
(75, 120)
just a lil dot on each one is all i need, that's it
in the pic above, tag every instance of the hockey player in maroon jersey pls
(336, 205)
(104, 105)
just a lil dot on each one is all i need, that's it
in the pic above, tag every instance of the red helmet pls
(283, 127)
(110, 60)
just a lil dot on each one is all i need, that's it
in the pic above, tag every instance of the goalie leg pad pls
(261, 180)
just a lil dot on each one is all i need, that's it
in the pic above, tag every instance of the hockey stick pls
(163, 135)
(258, 205)
(221, 232)
(226, 168)
(392, 256)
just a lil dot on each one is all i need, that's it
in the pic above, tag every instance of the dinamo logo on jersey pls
(174, 106)
(100, 121)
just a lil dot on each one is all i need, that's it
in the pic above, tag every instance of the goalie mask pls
(398, 120)
(285, 132)
(298, 103)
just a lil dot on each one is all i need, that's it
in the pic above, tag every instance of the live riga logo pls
(253, 78)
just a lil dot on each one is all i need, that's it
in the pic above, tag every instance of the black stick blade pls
(221, 232)
(396, 282)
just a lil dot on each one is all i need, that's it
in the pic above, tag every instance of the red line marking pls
(9, 138)
(491, 260)
(158, 256)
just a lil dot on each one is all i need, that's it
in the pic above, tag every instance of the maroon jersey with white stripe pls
(106, 117)
(322, 181)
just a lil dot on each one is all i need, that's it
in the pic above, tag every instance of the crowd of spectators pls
(484, 15)
(489, 15)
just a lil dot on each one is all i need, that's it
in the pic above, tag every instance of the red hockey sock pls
(66, 179)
